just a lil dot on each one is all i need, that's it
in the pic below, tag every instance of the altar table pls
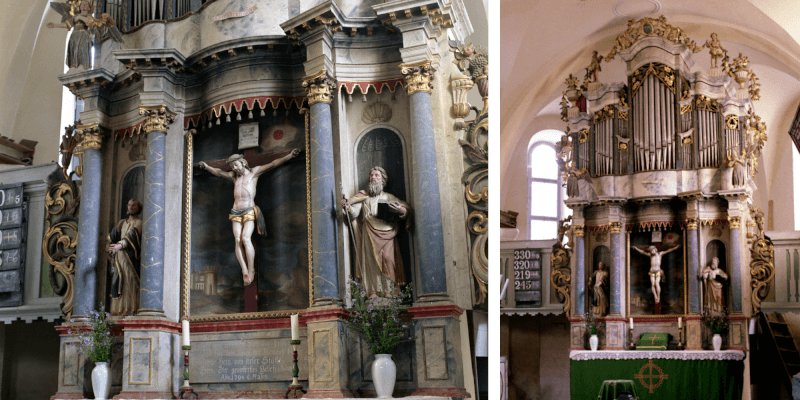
(611, 389)
(660, 375)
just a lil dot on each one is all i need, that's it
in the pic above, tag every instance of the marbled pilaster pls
(323, 198)
(580, 271)
(439, 361)
(89, 224)
(327, 354)
(427, 204)
(151, 291)
(617, 270)
(735, 265)
(694, 265)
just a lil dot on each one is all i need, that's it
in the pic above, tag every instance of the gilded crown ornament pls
(418, 76)
(318, 87)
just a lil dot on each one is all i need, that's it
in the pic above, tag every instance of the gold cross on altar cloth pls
(653, 339)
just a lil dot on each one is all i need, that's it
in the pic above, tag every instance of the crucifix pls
(244, 170)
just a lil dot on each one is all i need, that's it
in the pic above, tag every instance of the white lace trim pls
(726, 355)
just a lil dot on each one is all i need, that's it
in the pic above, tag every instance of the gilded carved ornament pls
(606, 113)
(418, 76)
(561, 274)
(691, 224)
(156, 118)
(664, 73)
(579, 230)
(649, 27)
(614, 227)
(762, 264)
(318, 87)
(733, 222)
(732, 121)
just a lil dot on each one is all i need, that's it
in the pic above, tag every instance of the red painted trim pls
(364, 86)
(331, 314)
(150, 325)
(63, 330)
(435, 311)
(217, 110)
(443, 392)
(144, 395)
(614, 319)
(737, 318)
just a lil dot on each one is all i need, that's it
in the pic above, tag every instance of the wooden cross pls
(253, 159)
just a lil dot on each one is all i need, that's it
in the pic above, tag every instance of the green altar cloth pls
(611, 389)
(658, 375)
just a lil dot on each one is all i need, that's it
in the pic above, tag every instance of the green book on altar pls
(653, 341)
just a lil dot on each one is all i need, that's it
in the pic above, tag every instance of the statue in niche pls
(376, 216)
(126, 250)
(245, 215)
(656, 273)
(713, 297)
(599, 287)
(716, 50)
(77, 14)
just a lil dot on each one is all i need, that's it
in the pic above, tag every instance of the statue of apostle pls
(379, 263)
(125, 249)
(599, 286)
(714, 300)
(245, 215)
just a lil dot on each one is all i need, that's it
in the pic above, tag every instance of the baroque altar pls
(239, 127)
(659, 172)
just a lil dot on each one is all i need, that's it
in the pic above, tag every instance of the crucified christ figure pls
(245, 215)
(656, 273)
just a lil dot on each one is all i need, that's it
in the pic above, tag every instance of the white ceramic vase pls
(717, 341)
(384, 373)
(593, 342)
(101, 380)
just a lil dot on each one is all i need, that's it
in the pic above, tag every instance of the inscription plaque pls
(250, 360)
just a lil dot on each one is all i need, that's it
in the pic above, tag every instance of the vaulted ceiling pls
(543, 41)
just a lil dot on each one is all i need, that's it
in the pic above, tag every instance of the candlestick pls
(186, 389)
(633, 346)
(295, 385)
(185, 332)
(295, 327)
(679, 322)
(631, 323)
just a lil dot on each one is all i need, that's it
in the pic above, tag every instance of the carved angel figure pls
(77, 14)
(594, 67)
(716, 50)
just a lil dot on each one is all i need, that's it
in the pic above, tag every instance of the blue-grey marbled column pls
(427, 206)
(736, 271)
(617, 271)
(88, 234)
(323, 205)
(151, 290)
(580, 276)
(694, 270)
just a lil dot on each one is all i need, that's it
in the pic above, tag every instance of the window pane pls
(543, 230)
(543, 162)
(543, 199)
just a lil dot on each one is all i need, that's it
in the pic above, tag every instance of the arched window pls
(546, 194)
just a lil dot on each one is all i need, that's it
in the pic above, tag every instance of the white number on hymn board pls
(8, 236)
(14, 199)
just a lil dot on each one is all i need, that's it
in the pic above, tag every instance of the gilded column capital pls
(418, 76)
(156, 118)
(733, 222)
(579, 230)
(90, 137)
(615, 227)
(318, 87)
(691, 224)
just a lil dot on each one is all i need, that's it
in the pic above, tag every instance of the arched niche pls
(132, 187)
(716, 248)
(383, 147)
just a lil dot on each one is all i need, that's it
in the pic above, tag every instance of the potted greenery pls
(592, 328)
(717, 321)
(95, 343)
(376, 318)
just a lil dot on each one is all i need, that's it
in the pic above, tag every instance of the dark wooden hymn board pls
(13, 231)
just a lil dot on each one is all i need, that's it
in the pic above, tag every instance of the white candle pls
(295, 327)
(679, 322)
(631, 323)
(185, 326)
